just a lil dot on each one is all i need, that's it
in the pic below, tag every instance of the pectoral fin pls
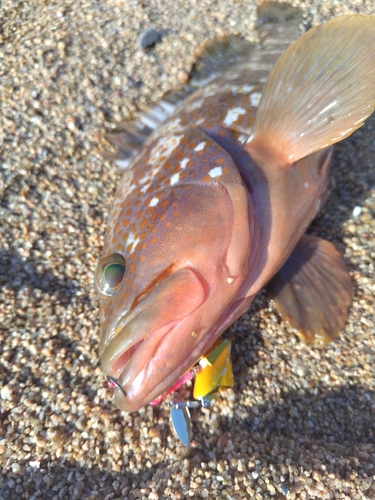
(313, 290)
(320, 91)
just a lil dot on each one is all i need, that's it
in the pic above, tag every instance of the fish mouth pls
(138, 355)
(139, 383)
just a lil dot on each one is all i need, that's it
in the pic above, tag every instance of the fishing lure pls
(213, 373)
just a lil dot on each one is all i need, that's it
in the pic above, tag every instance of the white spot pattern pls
(239, 89)
(174, 179)
(154, 202)
(144, 180)
(233, 114)
(255, 98)
(166, 145)
(200, 146)
(132, 240)
(195, 105)
(184, 162)
(215, 172)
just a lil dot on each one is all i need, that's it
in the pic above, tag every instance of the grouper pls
(221, 179)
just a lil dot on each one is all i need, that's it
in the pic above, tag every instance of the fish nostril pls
(112, 383)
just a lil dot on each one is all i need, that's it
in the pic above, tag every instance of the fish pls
(221, 180)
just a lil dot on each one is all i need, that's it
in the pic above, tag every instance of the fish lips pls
(137, 337)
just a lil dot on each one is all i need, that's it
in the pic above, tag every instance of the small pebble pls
(183, 76)
(6, 393)
(284, 490)
(356, 211)
(148, 38)
(16, 468)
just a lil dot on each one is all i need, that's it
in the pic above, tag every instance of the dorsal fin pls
(277, 13)
(320, 91)
(127, 143)
(217, 55)
(279, 23)
(135, 132)
(212, 58)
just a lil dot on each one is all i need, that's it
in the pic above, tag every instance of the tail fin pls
(320, 91)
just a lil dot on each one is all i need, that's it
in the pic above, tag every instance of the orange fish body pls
(217, 200)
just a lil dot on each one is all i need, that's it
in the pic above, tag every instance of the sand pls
(299, 422)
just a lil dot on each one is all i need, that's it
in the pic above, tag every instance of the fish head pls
(167, 295)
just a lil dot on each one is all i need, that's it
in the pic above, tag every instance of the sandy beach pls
(299, 422)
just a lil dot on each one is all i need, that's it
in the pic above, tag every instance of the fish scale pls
(217, 192)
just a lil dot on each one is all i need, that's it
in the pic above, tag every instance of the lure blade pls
(180, 417)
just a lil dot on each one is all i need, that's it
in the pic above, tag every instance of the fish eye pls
(109, 274)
